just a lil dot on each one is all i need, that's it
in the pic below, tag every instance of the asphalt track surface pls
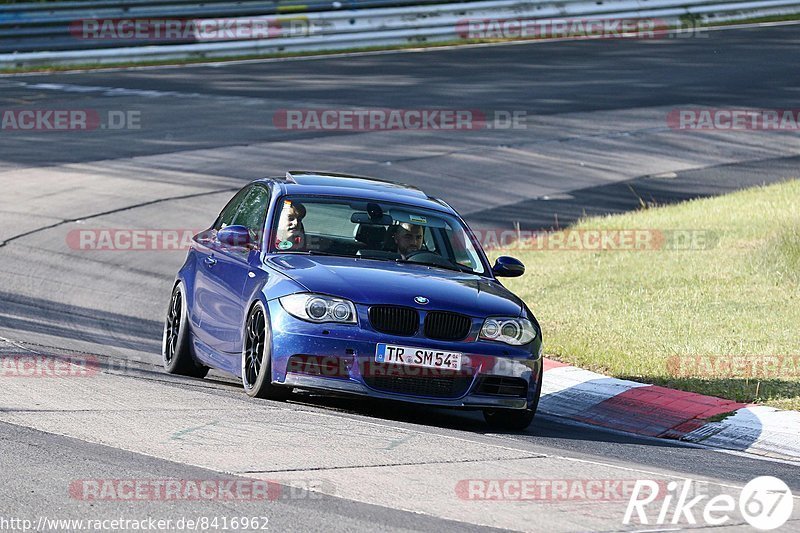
(595, 140)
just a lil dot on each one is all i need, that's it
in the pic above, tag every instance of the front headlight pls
(319, 308)
(515, 331)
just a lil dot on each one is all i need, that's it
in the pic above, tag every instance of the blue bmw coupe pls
(357, 286)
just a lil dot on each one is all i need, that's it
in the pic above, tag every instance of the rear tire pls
(257, 357)
(176, 343)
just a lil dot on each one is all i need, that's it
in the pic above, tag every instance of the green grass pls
(648, 315)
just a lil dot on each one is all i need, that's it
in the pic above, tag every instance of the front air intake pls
(394, 320)
(447, 326)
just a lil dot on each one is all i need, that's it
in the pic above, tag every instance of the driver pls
(408, 238)
(291, 234)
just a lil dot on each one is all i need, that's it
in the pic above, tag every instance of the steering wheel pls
(424, 256)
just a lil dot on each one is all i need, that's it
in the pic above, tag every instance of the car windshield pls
(351, 227)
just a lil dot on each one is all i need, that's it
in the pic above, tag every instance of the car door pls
(204, 294)
(225, 271)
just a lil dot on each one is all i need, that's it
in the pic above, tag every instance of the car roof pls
(335, 184)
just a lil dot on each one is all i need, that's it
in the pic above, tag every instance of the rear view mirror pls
(364, 218)
(234, 236)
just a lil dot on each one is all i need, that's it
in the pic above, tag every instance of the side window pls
(430, 243)
(253, 211)
(330, 220)
(461, 249)
(229, 212)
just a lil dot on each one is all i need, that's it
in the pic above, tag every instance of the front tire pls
(509, 419)
(176, 349)
(514, 419)
(257, 357)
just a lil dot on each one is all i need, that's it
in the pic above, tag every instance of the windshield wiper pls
(311, 252)
(454, 267)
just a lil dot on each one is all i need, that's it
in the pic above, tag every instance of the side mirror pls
(508, 267)
(238, 236)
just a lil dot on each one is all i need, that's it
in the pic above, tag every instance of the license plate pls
(423, 357)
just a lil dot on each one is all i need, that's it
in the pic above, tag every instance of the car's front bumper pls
(344, 355)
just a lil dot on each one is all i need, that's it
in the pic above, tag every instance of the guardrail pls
(56, 34)
(40, 26)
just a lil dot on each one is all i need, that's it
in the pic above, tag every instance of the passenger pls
(291, 234)
(408, 238)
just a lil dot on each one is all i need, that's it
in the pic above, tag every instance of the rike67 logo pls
(766, 503)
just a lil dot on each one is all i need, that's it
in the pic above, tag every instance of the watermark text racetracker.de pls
(572, 28)
(33, 365)
(131, 239)
(546, 490)
(68, 120)
(767, 366)
(588, 240)
(422, 119)
(255, 522)
(190, 30)
(733, 119)
(597, 240)
(196, 490)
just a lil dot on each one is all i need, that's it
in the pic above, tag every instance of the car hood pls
(370, 282)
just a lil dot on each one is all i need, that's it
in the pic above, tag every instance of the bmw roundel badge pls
(421, 300)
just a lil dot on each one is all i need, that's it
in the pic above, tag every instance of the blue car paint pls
(387, 282)
(219, 299)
